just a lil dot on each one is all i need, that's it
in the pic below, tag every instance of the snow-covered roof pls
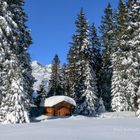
(51, 101)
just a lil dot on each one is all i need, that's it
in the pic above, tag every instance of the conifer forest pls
(102, 72)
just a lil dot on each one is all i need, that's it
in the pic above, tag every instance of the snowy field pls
(109, 126)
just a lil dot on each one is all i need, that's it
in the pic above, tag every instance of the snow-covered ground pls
(109, 126)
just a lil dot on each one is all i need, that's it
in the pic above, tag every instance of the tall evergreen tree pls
(96, 59)
(65, 80)
(86, 92)
(82, 77)
(126, 58)
(74, 54)
(16, 79)
(55, 83)
(133, 42)
(72, 67)
(107, 33)
(42, 90)
(122, 61)
(42, 94)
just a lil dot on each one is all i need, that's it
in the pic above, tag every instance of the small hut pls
(58, 106)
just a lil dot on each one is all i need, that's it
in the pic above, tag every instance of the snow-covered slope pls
(75, 128)
(40, 73)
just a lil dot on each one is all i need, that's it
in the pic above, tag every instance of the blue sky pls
(52, 24)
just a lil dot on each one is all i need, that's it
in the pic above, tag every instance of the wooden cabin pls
(58, 106)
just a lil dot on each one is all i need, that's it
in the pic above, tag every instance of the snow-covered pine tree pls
(107, 32)
(95, 47)
(16, 79)
(42, 89)
(55, 83)
(133, 42)
(96, 60)
(74, 52)
(72, 70)
(42, 94)
(4, 49)
(86, 91)
(100, 106)
(20, 17)
(82, 76)
(65, 79)
(75, 48)
(24, 41)
(122, 61)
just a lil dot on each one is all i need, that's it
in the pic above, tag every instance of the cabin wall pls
(49, 111)
(64, 111)
(61, 109)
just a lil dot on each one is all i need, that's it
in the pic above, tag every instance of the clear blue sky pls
(52, 24)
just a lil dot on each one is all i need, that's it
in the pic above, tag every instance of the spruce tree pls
(74, 54)
(95, 47)
(133, 42)
(72, 67)
(42, 89)
(55, 83)
(81, 74)
(96, 59)
(86, 92)
(107, 33)
(65, 80)
(42, 94)
(16, 79)
(122, 60)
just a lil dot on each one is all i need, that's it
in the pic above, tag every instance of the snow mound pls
(41, 118)
(74, 128)
(44, 118)
(105, 115)
(51, 101)
(123, 114)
